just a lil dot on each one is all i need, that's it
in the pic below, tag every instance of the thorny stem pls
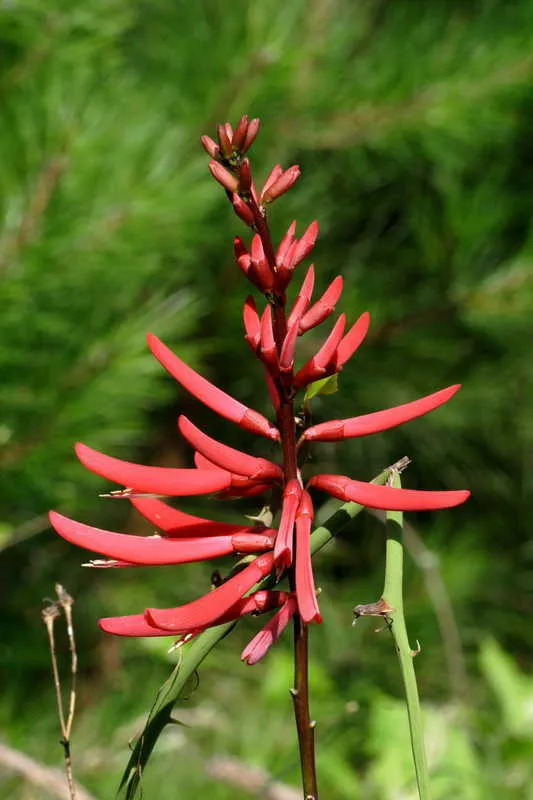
(393, 599)
(286, 423)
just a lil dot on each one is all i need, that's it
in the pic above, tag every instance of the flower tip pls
(55, 518)
(82, 451)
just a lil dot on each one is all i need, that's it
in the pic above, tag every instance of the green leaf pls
(329, 385)
(178, 685)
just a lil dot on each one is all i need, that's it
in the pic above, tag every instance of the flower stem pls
(305, 727)
(393, 597)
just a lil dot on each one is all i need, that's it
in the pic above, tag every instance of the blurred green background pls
(413, 124)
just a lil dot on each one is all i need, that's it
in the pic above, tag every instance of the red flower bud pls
(242, 210)
(251, 133)
(278, 187)
(267, 349)
(305, 244)
(245, 177)
(286, 358)
(263, 641)
(285, 244)
(225, 136)
(303, 299)
(284, 541)
(272, 178)
(352, 340)
(322, 363)
(240, 133)
(211, 148)
(323, 307)
(252, 323)
(226, 179)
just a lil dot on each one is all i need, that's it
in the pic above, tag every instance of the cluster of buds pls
(271, 554)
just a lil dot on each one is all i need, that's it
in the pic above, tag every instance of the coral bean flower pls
(274, 552)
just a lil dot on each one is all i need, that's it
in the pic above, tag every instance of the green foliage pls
(412, 123)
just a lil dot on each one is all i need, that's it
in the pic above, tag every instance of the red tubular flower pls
(207, 609)
(263, 641)
(378, 421)
(285, 538)
(227, 458)
(238, 482)
(210, 395)
(386, 497)
(176, 523)
(154, 550)
(159, 480)
(305, 583)
(137, 625)
(272, 334)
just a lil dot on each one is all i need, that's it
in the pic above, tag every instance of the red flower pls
(272, 336)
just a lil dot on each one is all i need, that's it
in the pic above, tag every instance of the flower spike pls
(272, 335)
(387, 497)
(210, 607)
(159, 480)
(213, 397)
(378, 421)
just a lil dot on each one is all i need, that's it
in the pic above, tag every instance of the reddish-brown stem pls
(286, 424)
